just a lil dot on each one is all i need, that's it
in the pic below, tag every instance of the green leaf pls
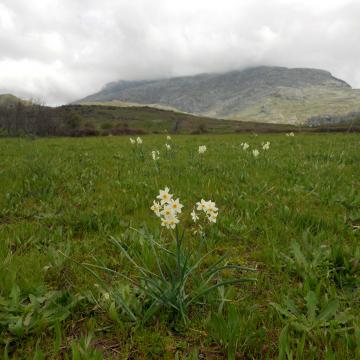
(281, 310)
(17, 328)
(299, 256)
(113, 314)
(329, 311)
(15, 295)
(58, 337)
(311, 304)
(283, 343)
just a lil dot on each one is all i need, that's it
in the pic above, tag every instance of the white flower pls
(167, 209)
(256, 152)
(139, 140)
(194, 216)
(202, 149)
(168, 147)
(132, 141)
(156, 208)
(155, 155)
(168, 137)
(201, 205)
(164, 196)
(290, 134)
(211, 207)
(168, 212)
(170, 222)
(212, 216)
(176, 206)
(245, 146)
(266, 146)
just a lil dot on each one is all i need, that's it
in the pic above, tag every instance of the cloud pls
(62, 50)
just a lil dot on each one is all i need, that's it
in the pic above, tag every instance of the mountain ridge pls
(263, 93)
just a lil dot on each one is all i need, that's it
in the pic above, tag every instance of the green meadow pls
(88, 272)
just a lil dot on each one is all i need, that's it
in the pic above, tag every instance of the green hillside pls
(153, 120)
(9, 99)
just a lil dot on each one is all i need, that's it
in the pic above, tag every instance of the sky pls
(58, 51)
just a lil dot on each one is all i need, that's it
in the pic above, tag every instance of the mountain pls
(260, 94)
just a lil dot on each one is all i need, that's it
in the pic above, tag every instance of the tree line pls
(20, 118)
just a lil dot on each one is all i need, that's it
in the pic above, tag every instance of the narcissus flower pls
(256, 152)
(169, 209)
(168, 212)
(155, 154)
(139, 140)
(266, 146)
(164, 196)
(208, 208)
(245, 146)
(169, 223)
(156, 208)
(201, 205)
(194, 216)
(202, 149)
(168, 147)
(211, 206)
(168, 137)
(212, 216)
(132, 141)
(175, 205)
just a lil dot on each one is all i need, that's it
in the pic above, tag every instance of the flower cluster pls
(155, 154)
(202, 149)
(266, 146)
(256, 152)
(167, 209)
(138, 141)
(291, 134)
(208, 208)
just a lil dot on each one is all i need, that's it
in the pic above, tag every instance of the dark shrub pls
(80, 132)
(106, 126)
(73, 121)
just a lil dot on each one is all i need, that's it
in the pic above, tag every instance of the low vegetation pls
(268, 268)
(33, 120)
(21, 119)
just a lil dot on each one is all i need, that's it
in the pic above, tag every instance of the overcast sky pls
(62, 50)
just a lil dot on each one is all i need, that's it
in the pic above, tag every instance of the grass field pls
(87, 271)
